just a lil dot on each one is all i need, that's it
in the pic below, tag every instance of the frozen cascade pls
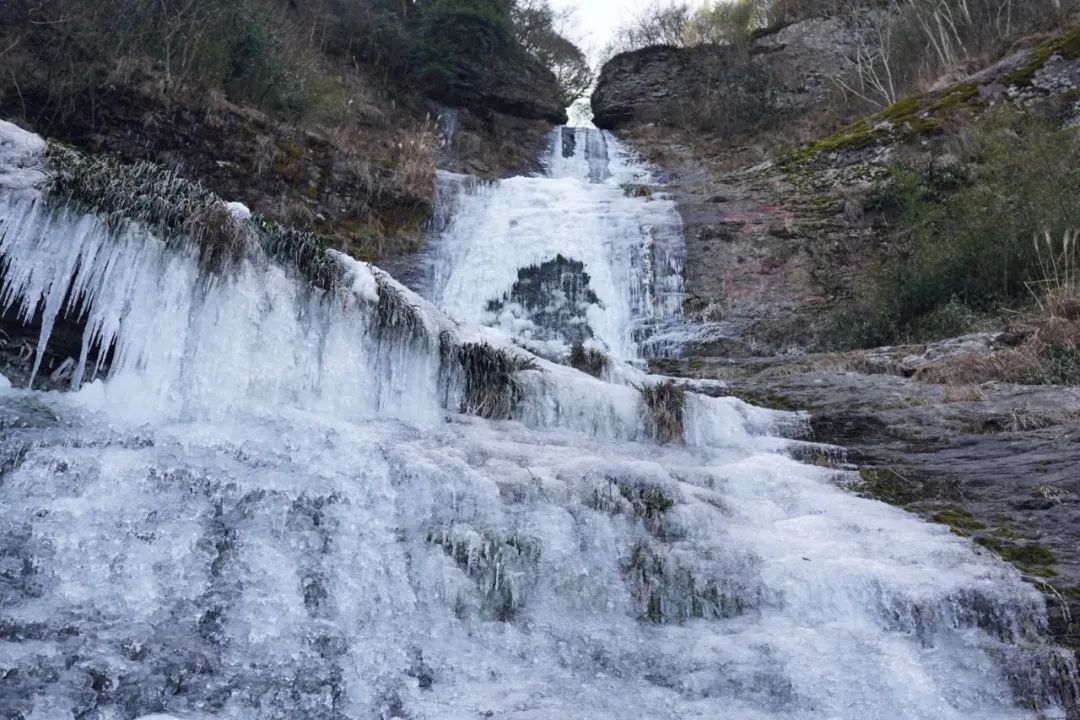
(590, 252)
(263, 503)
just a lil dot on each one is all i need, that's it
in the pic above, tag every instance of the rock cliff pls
(781, 228)
(722, 89)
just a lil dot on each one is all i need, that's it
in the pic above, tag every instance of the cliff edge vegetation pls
(329, 115)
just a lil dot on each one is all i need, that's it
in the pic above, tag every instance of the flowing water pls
(265, 503)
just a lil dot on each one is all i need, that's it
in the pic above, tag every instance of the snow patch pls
(21, 157)
(238, 210)
(360, 278)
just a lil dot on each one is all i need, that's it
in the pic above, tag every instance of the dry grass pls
(588, 360)
(665, 411)
(414, 158)
(221, 239)
(963, 393)
(1057, 292)
(1017, 420)
(492, 390)
(1055, 495)
(1050, 356)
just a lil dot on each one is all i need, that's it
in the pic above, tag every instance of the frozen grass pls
(182, 212)
(394, 312)
(588, 360)
(302, 250)
(491, 387)
(665, 405)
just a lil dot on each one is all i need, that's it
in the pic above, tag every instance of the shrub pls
(456, 36)
(966, 245)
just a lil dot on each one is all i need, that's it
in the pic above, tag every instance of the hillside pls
(907, 276)
(330, 116)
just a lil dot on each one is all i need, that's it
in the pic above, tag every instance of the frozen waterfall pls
(263, 498)
(590, 252)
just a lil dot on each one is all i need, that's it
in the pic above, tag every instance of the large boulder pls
(520, 87)
(721, 88)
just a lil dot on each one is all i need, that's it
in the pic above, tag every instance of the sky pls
(594, 21)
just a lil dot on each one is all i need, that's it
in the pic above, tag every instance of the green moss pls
(890, 486)
(856, 136)
(648, 503)
(906, 118)
(900, 111)
(1030, 554)
(1043, 572)
(959, 519)
(1067, 46)
(921, 125)
(962, 95)
(990, 543)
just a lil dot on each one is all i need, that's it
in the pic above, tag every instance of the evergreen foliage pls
(282, 57)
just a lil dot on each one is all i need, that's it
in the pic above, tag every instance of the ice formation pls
(262, 499)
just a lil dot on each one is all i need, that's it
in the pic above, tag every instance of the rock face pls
(369, 198)
(522, 88)
(996, 462)
(777, 240)
(775, 248)
(787, 71)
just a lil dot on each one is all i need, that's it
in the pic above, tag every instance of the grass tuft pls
(222, 240)
(492, 390)
(588, 360)
(665, 410)
(394, 312)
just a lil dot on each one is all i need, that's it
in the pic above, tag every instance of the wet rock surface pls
(995, 462)
(760, 271)
(555, 296)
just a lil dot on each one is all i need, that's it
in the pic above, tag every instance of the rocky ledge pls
(996, 462)
(787, 71)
